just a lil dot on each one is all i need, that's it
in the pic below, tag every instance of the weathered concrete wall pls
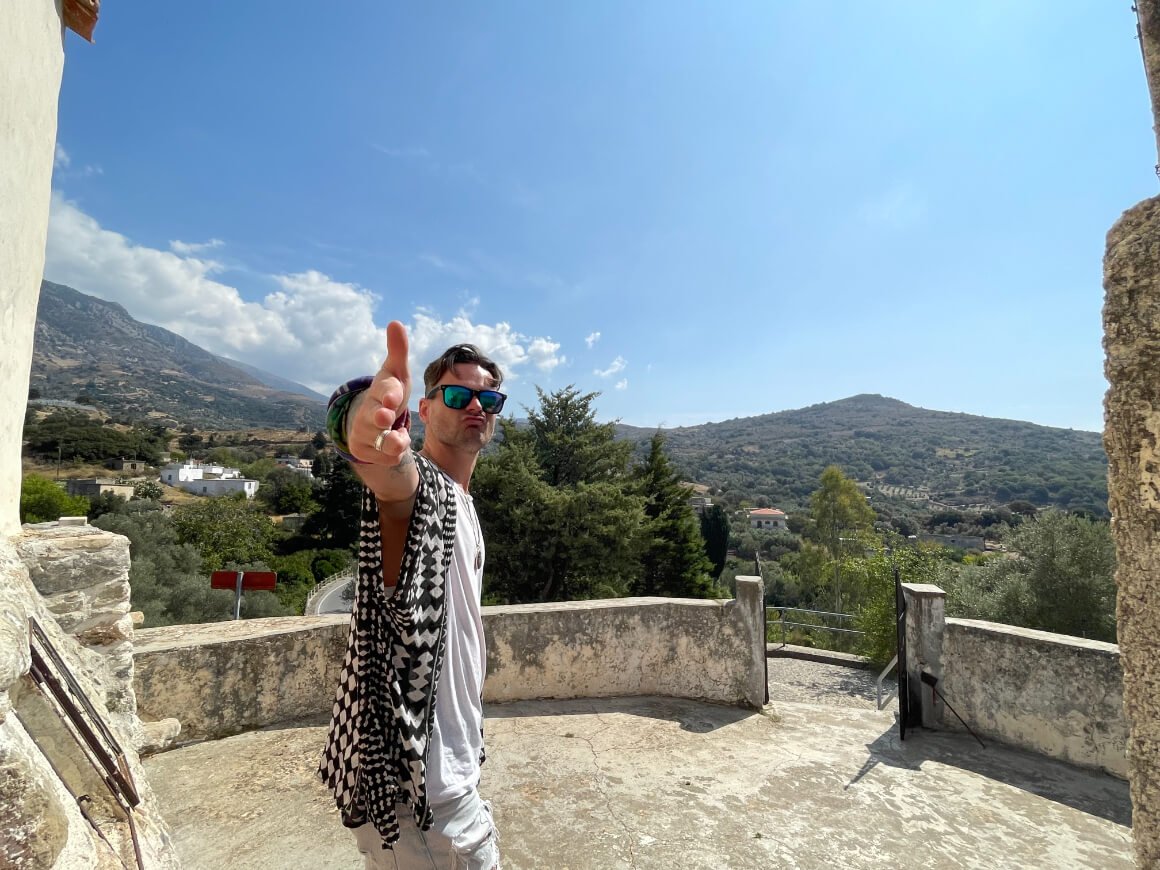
(925, 623)
(1058, 695)
(1132, 442)
(226, 677)
(223, 678)
(712, 650)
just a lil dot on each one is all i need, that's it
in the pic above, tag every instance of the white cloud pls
(186, 248)
(592, 339)
(511, 349)
(622, 384)
(310, 328)
(617, 365)
(61, 160)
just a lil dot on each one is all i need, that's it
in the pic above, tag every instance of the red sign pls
(252, 581)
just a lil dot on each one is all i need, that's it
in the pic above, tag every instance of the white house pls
(203, 478)
(297, 464)
(767, 518)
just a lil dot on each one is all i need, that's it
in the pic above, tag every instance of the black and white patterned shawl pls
(380, 729)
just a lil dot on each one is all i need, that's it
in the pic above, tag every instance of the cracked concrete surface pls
(818, 779)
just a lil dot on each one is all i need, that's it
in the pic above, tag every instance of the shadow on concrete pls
(1088, 791)
(697, 717)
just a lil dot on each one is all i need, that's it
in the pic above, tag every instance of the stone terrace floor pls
(818, 780)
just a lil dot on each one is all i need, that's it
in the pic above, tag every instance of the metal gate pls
(903, 675)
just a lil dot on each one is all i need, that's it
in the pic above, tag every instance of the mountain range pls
(901, 453)
(131, 370)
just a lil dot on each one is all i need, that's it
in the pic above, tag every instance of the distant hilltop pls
(92, 351)
(898, 451)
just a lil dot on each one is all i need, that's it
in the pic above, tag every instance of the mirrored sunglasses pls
(457, 398)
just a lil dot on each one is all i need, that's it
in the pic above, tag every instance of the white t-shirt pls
(456, 737)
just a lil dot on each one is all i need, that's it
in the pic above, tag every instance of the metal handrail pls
(781, 610)
(803, 610)
(881, 677)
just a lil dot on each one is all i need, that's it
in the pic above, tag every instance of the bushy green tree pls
(673, 560)
(339, 497)
(1060, 577)
(287, 492)
(42, 501)
(105, 503)
(148, 489)
(165, 576)
(870, 580)
(839, 509)
(562, 515)
(715, 531)
(225, 530)
(570, 446)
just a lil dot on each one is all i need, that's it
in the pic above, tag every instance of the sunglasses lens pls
(456, 398)
(491, 401)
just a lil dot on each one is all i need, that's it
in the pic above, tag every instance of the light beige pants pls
(463, 837)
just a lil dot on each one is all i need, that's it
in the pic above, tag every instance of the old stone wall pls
(43, 769)
(224, 678)
(1053, 694)
(632, 646)
(1132, 441)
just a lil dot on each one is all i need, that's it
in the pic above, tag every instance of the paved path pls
(817, 780)
(329, 599)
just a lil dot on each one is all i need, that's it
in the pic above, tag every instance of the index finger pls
(395, 365)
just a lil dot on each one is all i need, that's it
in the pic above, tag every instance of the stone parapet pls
(227, 677)
(223, 678)
(1053, 694)
(704, 650)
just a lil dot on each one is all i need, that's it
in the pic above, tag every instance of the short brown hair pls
(453, 356)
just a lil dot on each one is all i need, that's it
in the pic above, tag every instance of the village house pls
(297, 463)
(767, 518)
(203, 478)
(131, 466)
(700, 504)
(94, 486)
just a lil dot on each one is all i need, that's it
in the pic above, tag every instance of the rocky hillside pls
(88, 347)
(899, 450)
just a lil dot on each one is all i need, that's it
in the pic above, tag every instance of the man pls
(406, 739)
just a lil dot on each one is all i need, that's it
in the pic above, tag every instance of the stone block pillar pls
(751, 613)
(82, 573)
(925, 624)
(1132, 441)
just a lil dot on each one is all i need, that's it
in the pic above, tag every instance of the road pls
(331, 601)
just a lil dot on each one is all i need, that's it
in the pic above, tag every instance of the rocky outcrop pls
(1132, 440)
(73, 580)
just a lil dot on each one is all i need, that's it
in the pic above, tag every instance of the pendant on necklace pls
(478, 559)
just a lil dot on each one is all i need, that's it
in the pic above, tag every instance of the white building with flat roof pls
(203, 478)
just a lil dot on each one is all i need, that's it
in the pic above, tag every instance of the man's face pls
(466, 429)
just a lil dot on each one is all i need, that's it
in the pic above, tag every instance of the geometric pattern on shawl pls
(380, 729)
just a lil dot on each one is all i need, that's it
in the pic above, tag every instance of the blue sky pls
(703, 211)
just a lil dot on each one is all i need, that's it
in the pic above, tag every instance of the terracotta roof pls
(81, 16)
(766, 512)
